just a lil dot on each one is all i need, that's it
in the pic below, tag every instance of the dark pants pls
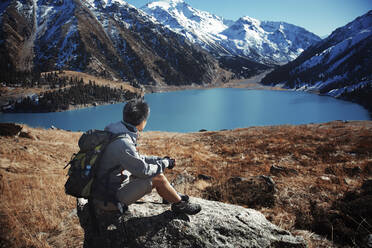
(102, 228)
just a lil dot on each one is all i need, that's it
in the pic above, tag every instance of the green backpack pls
(85, 163)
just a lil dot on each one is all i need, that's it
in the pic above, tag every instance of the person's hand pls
(171, 161)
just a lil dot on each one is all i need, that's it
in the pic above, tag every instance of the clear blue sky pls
(318, 16)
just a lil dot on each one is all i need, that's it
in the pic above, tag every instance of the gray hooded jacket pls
(121, 161)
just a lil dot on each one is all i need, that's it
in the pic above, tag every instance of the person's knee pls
(159, 179)
(134, 190)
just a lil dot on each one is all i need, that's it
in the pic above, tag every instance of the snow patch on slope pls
(56, 26)
(351, 88)
(68, 47)
(333, 52)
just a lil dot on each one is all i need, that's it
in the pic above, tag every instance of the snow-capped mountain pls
(199, 27)
(264, 42)
(339, 65)
(108, 38)
(268, 42)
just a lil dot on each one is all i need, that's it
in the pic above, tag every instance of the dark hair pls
(135, 111)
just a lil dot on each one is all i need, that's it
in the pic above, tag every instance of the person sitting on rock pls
(125, 176)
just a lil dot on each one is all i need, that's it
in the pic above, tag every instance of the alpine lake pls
(208, 109)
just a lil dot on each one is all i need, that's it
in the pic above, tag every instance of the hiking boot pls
(183, 198)
(186, 207)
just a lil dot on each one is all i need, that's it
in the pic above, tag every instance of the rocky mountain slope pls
(260, 41)
(312, 180)
(110, 39)
(340, 65)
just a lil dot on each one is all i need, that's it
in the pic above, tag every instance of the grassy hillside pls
(63, 85)
(316, 169)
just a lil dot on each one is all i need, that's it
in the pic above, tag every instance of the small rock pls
(204, 177)
(9, 129)
(275, 170)
(203, 130)
(279, 170)
(268, 179)
(325, 178)
(183, 178)
(26, 135)
(348, 181)
(236, 179)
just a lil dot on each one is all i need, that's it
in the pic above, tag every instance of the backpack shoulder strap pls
(116, 136)
(105, 178)
(103, 148)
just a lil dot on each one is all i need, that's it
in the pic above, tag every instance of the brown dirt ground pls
(330, 160)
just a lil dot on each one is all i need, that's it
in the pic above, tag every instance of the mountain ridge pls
(110, 39)
(115, 40)
(339, 66)
(265, 42)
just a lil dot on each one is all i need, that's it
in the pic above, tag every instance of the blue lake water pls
(212, 109)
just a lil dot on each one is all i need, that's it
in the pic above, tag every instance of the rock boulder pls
(9, 129)
(151, 224)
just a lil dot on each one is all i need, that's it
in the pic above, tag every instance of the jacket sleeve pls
(142, 166)
(151, 159)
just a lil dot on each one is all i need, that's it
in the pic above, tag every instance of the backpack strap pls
(106, 176)
(93, 217)
(103, 148)
(108, 197)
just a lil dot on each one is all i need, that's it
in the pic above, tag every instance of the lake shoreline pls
(249, 83)
(238, 84)
(213, 110)
(252, 83)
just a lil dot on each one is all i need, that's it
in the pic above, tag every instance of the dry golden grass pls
(100, 81)
(7, 93)
(35, 212)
